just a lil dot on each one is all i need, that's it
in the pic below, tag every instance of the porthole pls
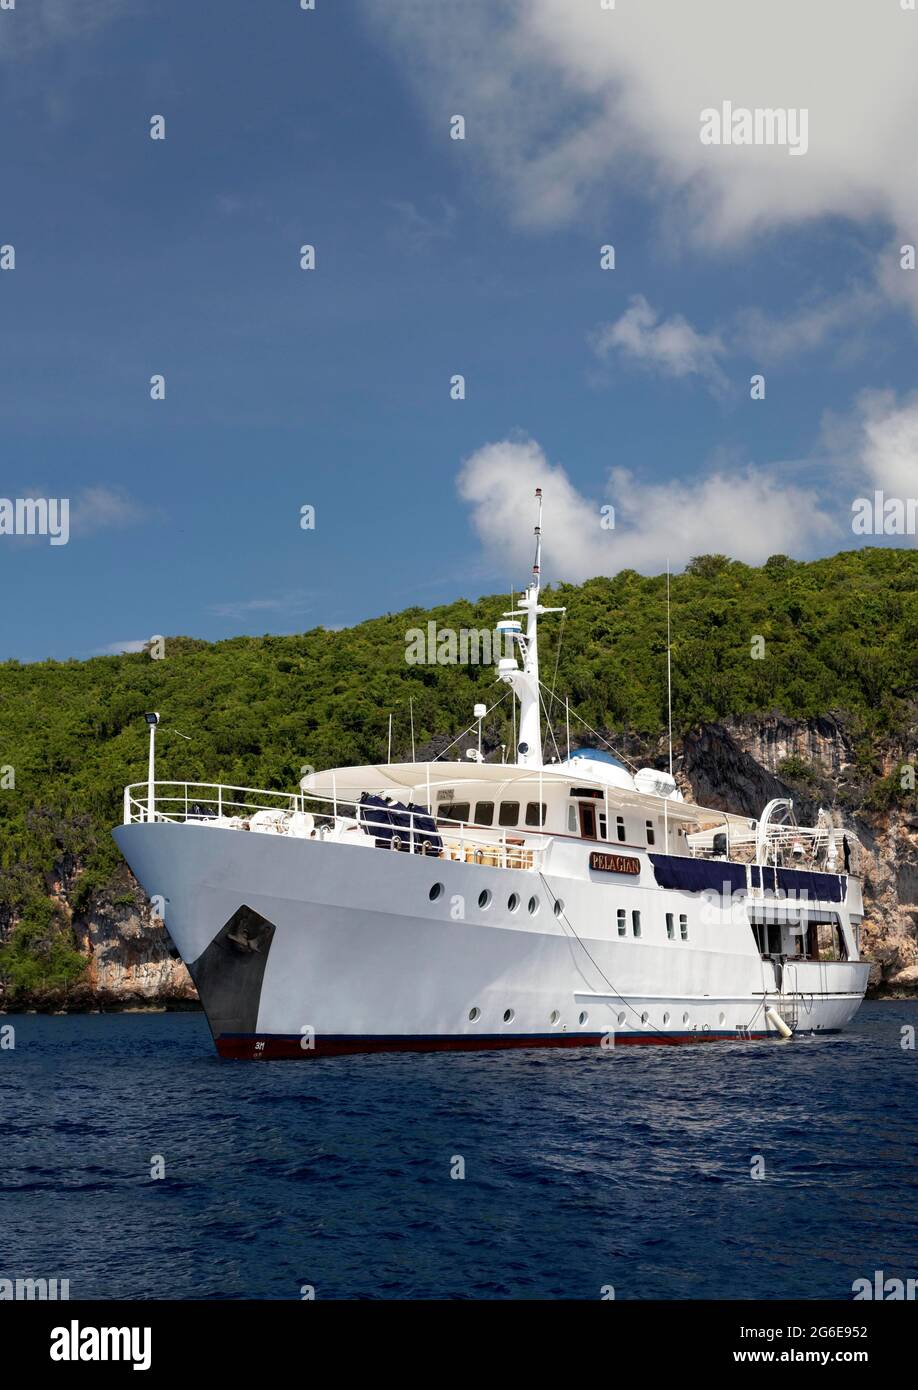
(665, 1020)
(508, 1015)
(584, 1018)
(533, 906)
(685, 1018)
(555, 1016)
(721, 1019)
(474, 1015)
(435, 892)
(558, 907)
(513, 902)
(644, 1018)
(621, 1019)
(484, 898)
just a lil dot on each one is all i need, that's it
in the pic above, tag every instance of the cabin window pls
(602, 825)
(456, 810)
(484, 812)
(683, 926)
(620, 827)
(572, 819)
(670, 927)
(535, 813)
(650, 835)
(621, 922)
(635, 923)
(509, 813)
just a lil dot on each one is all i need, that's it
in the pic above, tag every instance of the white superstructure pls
(462, 905)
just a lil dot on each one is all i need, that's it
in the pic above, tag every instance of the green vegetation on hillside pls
(839, 635)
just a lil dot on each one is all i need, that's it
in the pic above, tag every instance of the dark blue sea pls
(628, 1168)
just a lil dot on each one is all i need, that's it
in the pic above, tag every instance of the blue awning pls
(803, 883)
(698, 875)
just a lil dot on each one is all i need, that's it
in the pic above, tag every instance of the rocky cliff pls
(741, 765)
(132, 962)
(736, 766)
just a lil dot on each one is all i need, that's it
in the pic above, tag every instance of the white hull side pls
(361, 957)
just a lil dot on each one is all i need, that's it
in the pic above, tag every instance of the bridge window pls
(535, 813)
(635, 923)
(683, 926)
(484, 812)
(670, 927)
(622, 928)
(509, 813)
(455, 810)
(650, 835)
(602, 825)
(620, 828)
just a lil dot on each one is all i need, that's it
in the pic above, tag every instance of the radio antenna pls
(669, 672)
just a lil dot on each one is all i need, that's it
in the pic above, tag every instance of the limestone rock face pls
(131, 956)
(890, 936)
(736, 767)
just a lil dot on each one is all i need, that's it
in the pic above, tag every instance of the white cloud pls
(499, 481)
(117, 648)
(561, 98)
(102, 508)
(831, 322)
(295, 601)
(748, 513)
(889, 442)
(417, 229)
(671, 346)
(39, 23)
(838, 324)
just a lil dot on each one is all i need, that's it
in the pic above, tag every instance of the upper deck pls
(510, 817)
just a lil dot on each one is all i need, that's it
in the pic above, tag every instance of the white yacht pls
(479, 904)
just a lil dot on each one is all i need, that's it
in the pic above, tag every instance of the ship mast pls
(525, 682)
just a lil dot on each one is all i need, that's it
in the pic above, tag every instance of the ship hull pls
(308, 948)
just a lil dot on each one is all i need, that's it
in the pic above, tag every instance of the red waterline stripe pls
(253, 1046)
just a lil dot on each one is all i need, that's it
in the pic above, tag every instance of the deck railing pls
(308, 815)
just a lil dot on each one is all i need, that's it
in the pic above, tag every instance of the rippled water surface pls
(629, 1168)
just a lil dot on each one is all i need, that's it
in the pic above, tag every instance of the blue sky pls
(434, 257)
